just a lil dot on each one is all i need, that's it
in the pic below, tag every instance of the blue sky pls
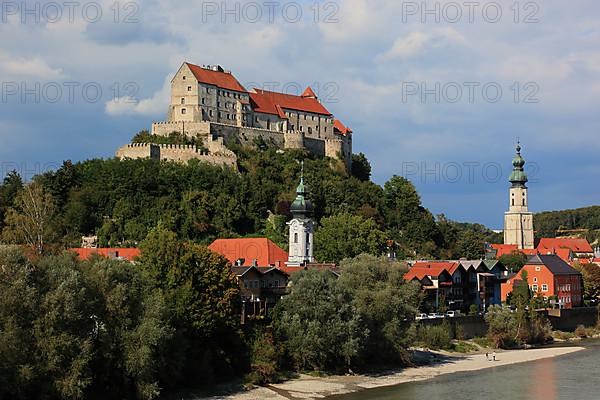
(375, 64)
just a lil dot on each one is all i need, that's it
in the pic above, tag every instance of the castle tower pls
(301, 228)
(518, 221)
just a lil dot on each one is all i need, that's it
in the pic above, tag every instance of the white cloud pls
(20, 67)
(406, 47)
(150, 107)
(416, 42)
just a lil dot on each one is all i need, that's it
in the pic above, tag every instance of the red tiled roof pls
(548, 245)
(422, 269)
(341, 128)
(309, 93)
(504, 249)
(125, 253)
(292, 102)
(262, 249)
(223, 80)
(262, 103)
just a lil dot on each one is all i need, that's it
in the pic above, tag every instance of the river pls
(571, 377)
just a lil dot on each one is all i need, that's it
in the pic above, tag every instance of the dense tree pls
(514, 261)
(72, 331)
(591, 279)
(386, 304)
(319, 323)
(409, 222)
(203, 299)
(361, 168)
(31, 221)
(345, 236)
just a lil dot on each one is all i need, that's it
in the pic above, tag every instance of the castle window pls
(325, 129)
(220, 114)
(189, 88)
(301, 128)
(309, 130)
(256, 119)
(183, 100)
(210, 112)
(203, 100)
(295, 237)
(513, 202)
(183, 111)
(523, 201)
(183, 78)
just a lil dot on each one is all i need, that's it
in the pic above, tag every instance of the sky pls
(438, 92)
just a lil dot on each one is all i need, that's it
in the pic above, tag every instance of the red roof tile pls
(309, 93)
(292, 102)
(262, 249)
(341, 128)
(547, 245)
(262, 103)
(125, 253)
(223, 80)
(422, 269)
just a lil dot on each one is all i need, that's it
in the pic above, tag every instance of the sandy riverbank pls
(308, 387)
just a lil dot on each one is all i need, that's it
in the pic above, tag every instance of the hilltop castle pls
(210, 103)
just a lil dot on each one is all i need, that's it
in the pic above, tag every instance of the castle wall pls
(179, 153)
(136, 150)
(293, 140)
(315, 146)
(190, 128)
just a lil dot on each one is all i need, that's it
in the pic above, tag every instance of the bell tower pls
(518, 221)
(301, 228)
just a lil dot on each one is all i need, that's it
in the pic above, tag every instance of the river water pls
(574, 376)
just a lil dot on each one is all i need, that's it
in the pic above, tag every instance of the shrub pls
(264, 363)
(436, 336)
(581, 332)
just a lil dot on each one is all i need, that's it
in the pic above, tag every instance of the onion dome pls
(301, 207)
(518, 177)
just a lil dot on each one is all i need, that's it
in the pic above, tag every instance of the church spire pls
(301, 228)
(301, 207)
(518, 177)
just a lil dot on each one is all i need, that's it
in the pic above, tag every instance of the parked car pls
(421, 316)
(453, 313)
(435, 315)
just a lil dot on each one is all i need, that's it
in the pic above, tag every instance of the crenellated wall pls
(180, 153)
(189, 128)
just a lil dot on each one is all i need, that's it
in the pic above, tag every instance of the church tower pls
(518, 221)
(301, 229)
